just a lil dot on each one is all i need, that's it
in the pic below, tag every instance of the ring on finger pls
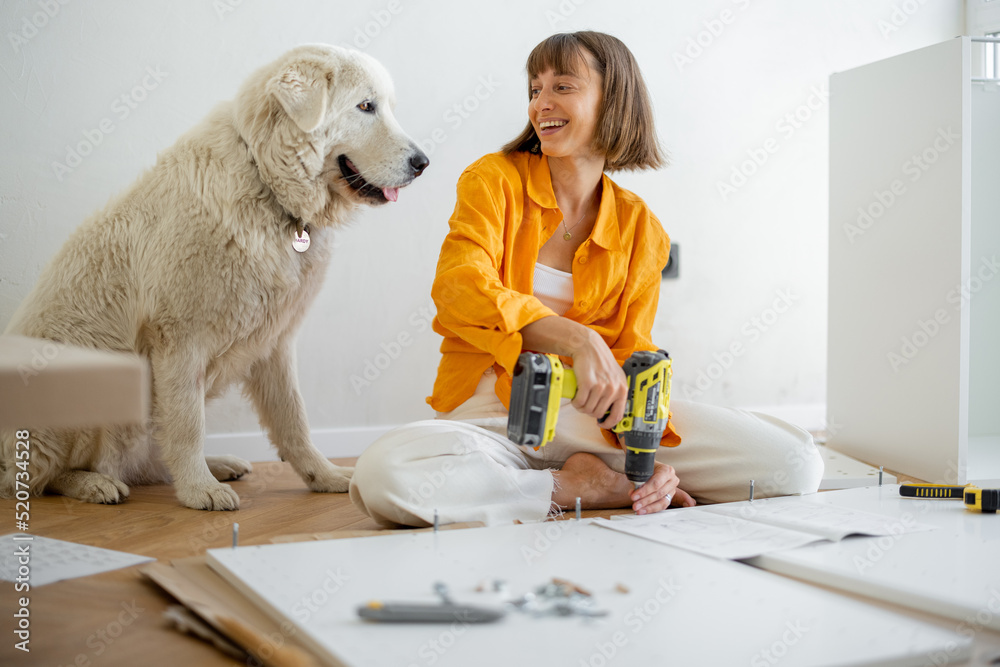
(667, 498)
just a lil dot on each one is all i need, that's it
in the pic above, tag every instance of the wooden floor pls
(273, 501)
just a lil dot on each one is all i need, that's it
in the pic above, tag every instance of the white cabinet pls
(914, 309)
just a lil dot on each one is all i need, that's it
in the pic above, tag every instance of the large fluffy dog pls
(193, 267)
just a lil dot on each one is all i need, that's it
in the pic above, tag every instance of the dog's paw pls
(209, 497)
(330, 479)
(227, 468)
(96, 487)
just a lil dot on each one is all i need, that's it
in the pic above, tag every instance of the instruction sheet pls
(42, 560)
(746, 529)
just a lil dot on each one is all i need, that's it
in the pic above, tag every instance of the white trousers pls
(463, 466)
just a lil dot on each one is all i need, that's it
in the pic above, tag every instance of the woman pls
(547, 253)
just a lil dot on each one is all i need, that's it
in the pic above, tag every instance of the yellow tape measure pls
(974, 498)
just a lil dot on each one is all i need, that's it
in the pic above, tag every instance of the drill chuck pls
(640, 455)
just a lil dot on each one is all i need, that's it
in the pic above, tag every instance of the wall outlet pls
(673, 267)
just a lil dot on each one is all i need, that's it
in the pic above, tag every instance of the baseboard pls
(333, 442)
(346, 442)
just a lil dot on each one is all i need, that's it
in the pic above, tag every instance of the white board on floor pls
(953, 571)
(680, 608)
(840, 471)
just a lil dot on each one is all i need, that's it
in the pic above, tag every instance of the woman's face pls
(563, 110)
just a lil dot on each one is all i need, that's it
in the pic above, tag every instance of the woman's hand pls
(660, 491)
(601, 386)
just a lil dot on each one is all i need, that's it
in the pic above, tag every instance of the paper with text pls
(744, 530)
(41, 560)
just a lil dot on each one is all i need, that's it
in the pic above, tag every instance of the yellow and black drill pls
(540, 381)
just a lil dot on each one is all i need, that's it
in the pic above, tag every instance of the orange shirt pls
(483, 290)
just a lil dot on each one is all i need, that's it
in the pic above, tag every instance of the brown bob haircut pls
(625, 132)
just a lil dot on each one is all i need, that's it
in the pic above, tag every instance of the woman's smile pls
(550, 126)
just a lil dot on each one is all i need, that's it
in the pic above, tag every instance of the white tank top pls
(554, 288)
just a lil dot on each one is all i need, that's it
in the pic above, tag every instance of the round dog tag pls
(301, 243)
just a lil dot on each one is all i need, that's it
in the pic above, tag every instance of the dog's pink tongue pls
(392, 194)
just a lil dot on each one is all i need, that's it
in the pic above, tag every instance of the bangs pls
(563, 54)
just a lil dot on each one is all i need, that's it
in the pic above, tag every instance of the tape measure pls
(974, 498)
(982, 500)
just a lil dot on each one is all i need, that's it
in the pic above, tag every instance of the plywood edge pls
(220, 605)
(342, 534)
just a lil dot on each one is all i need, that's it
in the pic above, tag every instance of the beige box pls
(44, 384)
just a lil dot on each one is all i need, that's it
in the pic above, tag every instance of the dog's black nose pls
(419, 162)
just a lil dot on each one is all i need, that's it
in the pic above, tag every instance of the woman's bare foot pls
(587, 477)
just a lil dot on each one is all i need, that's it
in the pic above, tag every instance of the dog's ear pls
(302, 94)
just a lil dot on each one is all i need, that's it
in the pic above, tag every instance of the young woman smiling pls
(547, 253)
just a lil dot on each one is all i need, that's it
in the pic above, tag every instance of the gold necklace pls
(567, 236)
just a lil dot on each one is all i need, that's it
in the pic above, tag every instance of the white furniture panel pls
(676, 603)
(951, 571)
(913, 310)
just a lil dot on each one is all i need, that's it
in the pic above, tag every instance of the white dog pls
(194, 268)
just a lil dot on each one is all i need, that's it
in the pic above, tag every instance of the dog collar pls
(300, 241)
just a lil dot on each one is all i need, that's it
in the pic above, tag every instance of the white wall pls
(760, 63)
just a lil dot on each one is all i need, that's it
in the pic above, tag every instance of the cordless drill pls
(540, 381)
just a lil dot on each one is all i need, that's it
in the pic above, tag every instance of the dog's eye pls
(367, 106)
